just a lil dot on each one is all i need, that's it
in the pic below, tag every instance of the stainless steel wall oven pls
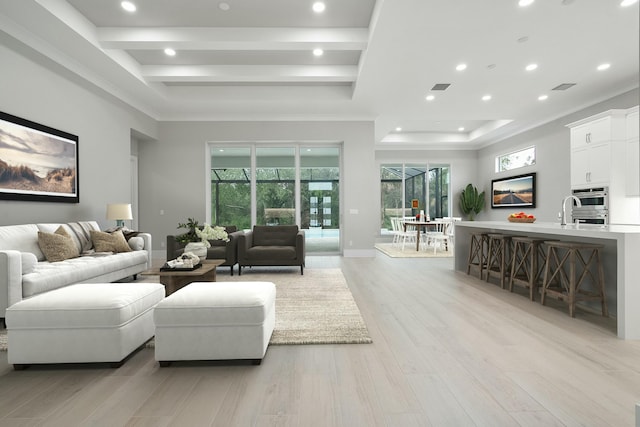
(595, 205)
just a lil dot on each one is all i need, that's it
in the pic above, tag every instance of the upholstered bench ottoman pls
(215, 321)
(96, 322)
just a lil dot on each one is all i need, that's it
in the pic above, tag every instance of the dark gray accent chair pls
(228, 251)
(271, 245)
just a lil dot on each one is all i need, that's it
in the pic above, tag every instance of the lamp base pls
(119, 222)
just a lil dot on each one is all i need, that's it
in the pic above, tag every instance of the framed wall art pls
(37, 163)
(515, 191)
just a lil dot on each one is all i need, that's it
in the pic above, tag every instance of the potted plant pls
(471, 202)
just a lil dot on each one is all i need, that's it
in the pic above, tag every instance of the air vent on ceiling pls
(564, 86)
(441, 86)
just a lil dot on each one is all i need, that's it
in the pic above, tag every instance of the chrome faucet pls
(563, 220)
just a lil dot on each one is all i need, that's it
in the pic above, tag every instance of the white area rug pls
(410, 251)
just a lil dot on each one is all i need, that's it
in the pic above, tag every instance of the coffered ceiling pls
(254, 60)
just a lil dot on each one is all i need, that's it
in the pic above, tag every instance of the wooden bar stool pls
(498, 256)
(579, 258)
(527, 264)
(477, 252)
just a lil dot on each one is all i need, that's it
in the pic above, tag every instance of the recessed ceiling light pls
(319, 7)
(169, 52)
(626, 3)
(224, 6)
(543, 97)
(524, 3)
(128, 6)
(604, 66)
(430, 98)
(398, 129)
(486, 97)
(461, 67)
(461, 128)
(318, 52)
(531, 67)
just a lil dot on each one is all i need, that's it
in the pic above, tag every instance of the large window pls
(275, 186)
(231, 187)
(279, 185)
(404, 189)
(516, 159)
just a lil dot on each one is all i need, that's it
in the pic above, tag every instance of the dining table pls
(418, 226)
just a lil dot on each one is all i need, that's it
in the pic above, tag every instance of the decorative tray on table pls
(166, 267)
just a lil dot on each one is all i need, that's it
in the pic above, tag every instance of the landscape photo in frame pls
(515, 191)
(37, 163)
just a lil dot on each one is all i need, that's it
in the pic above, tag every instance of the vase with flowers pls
(196, 239)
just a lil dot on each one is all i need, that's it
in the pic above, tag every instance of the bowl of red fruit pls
(521, 217)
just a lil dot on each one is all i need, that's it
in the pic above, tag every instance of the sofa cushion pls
(57, 246)
(269, 253)
(136, 243)
(23, 238)
(105, 242)
(29, 262)
(52, 275)
(281, 235)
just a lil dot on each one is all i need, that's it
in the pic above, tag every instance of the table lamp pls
(119, 212)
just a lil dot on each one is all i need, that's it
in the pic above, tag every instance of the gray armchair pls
(271, 245)
(228, 251)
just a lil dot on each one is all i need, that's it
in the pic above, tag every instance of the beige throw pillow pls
(57, 246)
(105, 242)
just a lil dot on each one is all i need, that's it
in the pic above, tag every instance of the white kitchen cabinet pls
(592, 142)
(605, 153)
(591, 166)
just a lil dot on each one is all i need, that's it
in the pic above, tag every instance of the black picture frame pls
(37, 162)
(514, 192)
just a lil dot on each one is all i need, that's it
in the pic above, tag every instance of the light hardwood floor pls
(449, 350)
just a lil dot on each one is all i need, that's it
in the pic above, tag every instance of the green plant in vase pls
(471, 202)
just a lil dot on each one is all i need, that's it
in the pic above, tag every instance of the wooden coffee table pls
(174, 280)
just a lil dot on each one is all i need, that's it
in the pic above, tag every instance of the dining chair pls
(439, 238)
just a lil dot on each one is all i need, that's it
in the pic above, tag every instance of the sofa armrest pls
(245, 241)
(10, 279)
(300, 246)
(232, 246)
(147, 247)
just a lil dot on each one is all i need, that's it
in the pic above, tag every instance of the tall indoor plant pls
(471, 202)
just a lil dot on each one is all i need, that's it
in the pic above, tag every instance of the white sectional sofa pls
(21, 277)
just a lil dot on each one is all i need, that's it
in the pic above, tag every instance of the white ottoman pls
(215, 321)
(96, 322)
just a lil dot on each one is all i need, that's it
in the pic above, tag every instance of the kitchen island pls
(620, 258)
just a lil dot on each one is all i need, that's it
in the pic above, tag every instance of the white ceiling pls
(382, 57)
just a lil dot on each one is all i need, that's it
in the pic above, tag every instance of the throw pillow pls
(105, 242)
(57, 246)
(136, 243)
(29, 262)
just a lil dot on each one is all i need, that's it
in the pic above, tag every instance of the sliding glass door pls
(408, 188)
(267, 185)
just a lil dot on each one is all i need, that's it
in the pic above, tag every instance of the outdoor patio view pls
(275, 190)
(404, 188)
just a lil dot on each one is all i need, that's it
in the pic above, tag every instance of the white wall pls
(552, 166)
(173, 175)
(29, 89)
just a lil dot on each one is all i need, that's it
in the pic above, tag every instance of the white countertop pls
(582, 230)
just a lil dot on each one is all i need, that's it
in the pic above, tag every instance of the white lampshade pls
(119, 212)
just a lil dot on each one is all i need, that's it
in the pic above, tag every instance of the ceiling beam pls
(233, 38)
(241, 73)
